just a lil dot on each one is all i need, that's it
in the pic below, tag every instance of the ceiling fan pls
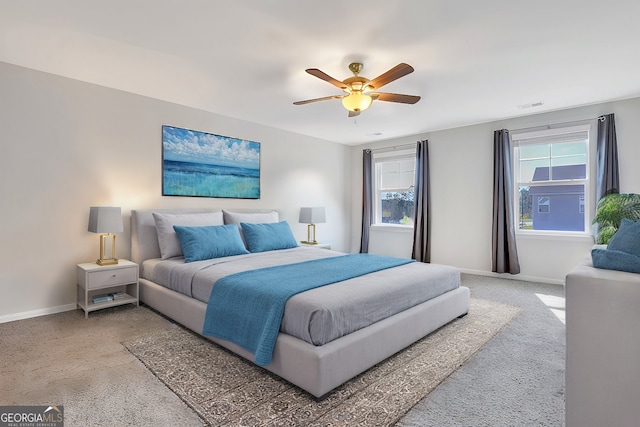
(360, 91)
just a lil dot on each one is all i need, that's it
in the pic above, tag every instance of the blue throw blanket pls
(246, 308)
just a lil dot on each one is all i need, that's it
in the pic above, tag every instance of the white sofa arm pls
(603, 347)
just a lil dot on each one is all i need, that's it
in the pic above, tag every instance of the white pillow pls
(249, 218)
(252, 218)
(167, 237)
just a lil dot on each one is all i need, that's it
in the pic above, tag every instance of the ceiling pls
(474, 61)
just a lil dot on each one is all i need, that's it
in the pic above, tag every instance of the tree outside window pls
(398, 207)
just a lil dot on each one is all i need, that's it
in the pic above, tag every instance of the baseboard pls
(36, 313)
(514, 277)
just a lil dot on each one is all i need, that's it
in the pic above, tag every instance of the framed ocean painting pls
(200, 164)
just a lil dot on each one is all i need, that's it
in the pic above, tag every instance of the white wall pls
(461, 173)
(68, 145)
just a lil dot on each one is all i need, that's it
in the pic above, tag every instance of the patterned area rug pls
(224, 389)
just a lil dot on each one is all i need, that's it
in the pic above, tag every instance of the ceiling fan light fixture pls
(357, 101)
(360, 92)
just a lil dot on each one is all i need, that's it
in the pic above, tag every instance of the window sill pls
(392, 227)
(558, 235)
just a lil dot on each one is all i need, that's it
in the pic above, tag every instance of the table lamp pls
(312, 216)
(106, 220)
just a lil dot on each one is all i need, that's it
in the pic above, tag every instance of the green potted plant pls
(610, 212)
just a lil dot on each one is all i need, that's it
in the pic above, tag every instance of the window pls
(581, 205)
(394, 187)
(551, 171)
(543, 204)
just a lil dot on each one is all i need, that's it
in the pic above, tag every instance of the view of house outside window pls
(552, 180)
(394, 188)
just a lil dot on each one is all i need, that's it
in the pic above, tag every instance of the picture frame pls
(201, 164)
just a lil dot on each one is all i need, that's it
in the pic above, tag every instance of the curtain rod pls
(394, 147)
(545, 127)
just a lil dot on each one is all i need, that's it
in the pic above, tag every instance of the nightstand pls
(317, 245)
(95, 280)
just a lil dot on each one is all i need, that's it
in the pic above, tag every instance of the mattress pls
(320, 315)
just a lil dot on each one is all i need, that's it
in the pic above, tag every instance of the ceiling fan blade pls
(354, 113)
(327, 78)
(396, 97)
(326, 98)
(395, 73)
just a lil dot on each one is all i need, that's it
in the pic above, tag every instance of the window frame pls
(377, 159)
(519, 139)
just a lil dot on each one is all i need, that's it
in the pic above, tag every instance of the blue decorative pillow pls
(615, 260)
(627, 238)
(268, 236)
(216, 241)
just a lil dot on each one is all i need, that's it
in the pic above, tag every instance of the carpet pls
(224, 389)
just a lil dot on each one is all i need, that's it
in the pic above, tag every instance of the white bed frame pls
(316, 369)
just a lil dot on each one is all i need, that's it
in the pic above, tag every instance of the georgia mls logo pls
(31, 416)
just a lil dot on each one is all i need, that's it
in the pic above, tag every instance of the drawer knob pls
(113, 275)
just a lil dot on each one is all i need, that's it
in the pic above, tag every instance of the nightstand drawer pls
(99, 279)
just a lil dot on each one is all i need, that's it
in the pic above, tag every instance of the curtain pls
(503, 243)
(422, 203)
(367, 200)
(607, 177)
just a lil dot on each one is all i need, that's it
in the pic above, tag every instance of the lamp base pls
(309, 243)
(108, 261)
(311, 235)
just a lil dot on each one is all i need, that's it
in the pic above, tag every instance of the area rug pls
(224, 389)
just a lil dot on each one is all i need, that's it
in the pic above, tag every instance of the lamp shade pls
(312, 215)
(105, 219)
(357, 101)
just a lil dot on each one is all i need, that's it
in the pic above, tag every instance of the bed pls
(317, 357)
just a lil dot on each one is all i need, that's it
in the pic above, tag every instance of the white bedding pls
(320, 315)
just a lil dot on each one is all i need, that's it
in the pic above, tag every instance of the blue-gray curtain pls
(422, 204)
(607, 177)
(503, 242)
(367, 200)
